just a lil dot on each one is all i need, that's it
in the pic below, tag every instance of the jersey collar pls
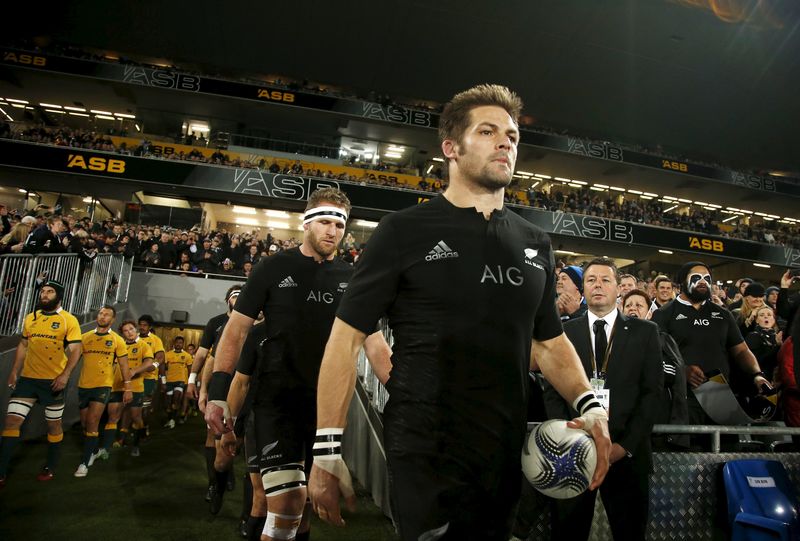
(97, 332)
(54, 312)
(687, 303)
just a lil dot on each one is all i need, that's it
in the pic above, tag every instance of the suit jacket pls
(635, 377)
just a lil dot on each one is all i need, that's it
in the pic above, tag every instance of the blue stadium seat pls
(762, 503)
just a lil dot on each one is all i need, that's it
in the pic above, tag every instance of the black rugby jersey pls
(249, 362)
(299, 297)
(704, 336)
(464, 297)
(213, 330)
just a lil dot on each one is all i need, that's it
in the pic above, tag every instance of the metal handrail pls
(715, 431)
(87, 284)
(198, 274)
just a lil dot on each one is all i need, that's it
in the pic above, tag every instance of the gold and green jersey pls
(178, 365)
(138, 353)
(48, 333)
(157, 346)
(100, 352)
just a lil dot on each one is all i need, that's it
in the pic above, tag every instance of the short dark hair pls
(604, 261)
(634, 292)
(329, 195)
(662, 278)
(147, 318)
(109, 307)
(179, 337)
(456, 117)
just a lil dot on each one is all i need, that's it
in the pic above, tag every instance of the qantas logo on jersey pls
(288, 282)
(530, 253)
(680, 316)
(441, 251)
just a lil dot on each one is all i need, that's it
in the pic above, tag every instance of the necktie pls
(600, 343)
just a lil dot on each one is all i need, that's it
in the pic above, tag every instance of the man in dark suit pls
(622, 357)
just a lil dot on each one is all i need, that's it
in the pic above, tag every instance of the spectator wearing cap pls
(569, 288)
(752, 299)
(273, 249)
(741, 285)
(228, 268)
(771, 297)
(200, 254)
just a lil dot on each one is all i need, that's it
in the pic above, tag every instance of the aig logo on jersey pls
(320, 296)
(702, 321)
(530, 253)
(496, 274)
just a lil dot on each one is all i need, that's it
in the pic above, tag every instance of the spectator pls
(152, 257)
(765, 340)
(752, 298)
(664, 291)
(569, 288)
(14, 240)
(45, 238)
(741, 285)
(789, 374)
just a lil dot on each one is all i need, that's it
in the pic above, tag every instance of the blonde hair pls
(17, 234)
(762, 308)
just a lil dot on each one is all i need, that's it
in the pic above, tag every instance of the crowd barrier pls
(88, 285)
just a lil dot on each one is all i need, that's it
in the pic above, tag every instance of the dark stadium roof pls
(714, 84)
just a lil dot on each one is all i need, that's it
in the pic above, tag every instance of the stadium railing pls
(87, 285)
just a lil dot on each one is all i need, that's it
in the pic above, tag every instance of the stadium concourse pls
(158, 497)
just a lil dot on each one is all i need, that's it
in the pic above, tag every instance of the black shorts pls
(175, 386)
(136, 400)
(284, 436)
(446, 484)
(250, 452)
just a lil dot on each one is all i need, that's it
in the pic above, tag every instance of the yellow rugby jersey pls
(138, 353)
(156, 345)
(100, 352)
(178, 365)
(47, 334)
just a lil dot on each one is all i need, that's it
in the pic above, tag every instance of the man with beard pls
(298, 291)
(468, 288)
(706, 334)
(47, 353)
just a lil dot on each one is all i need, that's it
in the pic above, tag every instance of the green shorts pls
(38, 389)
(149, 387)
(95, 394)
(136, 401)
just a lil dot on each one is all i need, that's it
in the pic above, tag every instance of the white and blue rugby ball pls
(559, 461)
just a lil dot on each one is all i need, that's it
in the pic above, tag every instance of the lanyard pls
(604, 368)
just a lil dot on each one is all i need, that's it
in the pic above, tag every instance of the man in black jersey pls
(469, 288)
(706, 334)
(211, 334)
(298, 290)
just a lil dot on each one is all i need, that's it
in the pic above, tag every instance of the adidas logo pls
(680, 316)
(440, 251)
(288, 282)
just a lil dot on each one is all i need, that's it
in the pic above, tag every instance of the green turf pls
(158, 496)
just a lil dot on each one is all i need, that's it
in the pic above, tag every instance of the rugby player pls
(298, 291)
(102, 350)
(468, 288)
(47, 353)
(176, 361)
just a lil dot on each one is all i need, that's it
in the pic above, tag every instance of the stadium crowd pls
(580, 201)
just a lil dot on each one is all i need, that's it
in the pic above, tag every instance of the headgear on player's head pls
(233, 291)
(57, 286)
